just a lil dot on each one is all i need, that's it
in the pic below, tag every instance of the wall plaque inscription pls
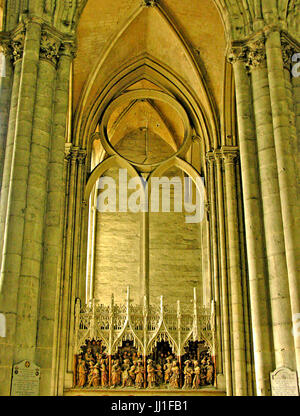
(26, 379)
(284, 382)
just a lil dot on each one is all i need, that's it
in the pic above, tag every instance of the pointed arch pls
(181, 164)
(202, 104)
(111, 162)
(146, 67)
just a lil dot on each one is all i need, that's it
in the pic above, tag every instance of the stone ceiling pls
(185, 36)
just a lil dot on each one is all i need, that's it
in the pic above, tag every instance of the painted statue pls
(95, 376)
(139, 379)
(197, 377)
(175, 376)
(116, 374)
(168, 370)
(151, 378)
(188, 375)
(82, 373)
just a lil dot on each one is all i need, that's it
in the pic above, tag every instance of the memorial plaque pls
(26, 379)
(284, 382)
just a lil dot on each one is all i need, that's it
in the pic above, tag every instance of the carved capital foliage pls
(74, 154)
(230, 156)
(237, 54)
(288, 50)
(17, 46)
(5, 46)
(256, 54)
(68, 151)
(68, 48)
(49, 49)
(252, 53)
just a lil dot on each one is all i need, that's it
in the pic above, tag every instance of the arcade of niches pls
(144, 302)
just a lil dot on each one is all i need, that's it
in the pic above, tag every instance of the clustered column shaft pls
(35, 138)
(269, 174)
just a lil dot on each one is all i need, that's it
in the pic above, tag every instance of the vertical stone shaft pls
(245, 286)
(6, 79)
(67, 306)
(91, 245)
(257, 266)
(296, 99)
(9, 146)
(224, 280)
(215, 281)
(53, 235)
(78, 229)
(144, 264)
(238, 327)
(29, 283)
(274, 238)
(16, 200)
(289, 198)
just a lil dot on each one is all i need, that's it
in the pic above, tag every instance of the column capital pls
(68, 151)
(68, 48)
(210, 157)
(237, 53)
(74, 154)
(256, 55)
(289, 47)
(81, 157)
(218, 156)
(251, 52)
(230, 155)
(288, 51)
(49, 48)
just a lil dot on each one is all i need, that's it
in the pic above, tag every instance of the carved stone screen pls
(284, 382)
(26, 379)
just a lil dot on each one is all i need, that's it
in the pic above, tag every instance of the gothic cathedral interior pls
(150, 197)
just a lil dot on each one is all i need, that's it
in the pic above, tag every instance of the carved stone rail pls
(144, 325)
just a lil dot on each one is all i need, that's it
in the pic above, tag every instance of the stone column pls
(69, 281)
(32, 253)
(79, 208)
(15, 49)
(257, 263)
(224, 278)
(144, 261)
(91, 244)
(235, 274)
(53, 235)
(215, 290)
(17, 194)
(287, 178)
(6, 79)
(273, 226)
